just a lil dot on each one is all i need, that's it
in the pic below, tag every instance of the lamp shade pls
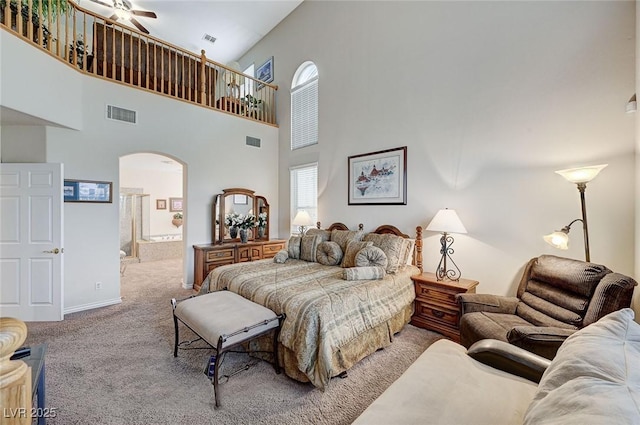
(302, 219)
(234, 76)
(581, 174)
(559, 239)
(446, 221)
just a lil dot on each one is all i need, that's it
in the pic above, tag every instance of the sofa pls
(593, 379)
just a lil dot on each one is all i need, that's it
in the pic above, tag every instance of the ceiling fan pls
(123, 10)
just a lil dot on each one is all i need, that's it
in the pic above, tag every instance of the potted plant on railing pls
(177, 219)
(254, 106)
(246, 223)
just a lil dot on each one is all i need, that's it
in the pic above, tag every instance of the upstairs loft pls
(102, 48)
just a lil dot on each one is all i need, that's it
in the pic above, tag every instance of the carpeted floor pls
(115, 365)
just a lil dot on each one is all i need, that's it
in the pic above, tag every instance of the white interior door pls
(31, 241)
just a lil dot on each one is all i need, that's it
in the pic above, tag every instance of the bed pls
(331, 323)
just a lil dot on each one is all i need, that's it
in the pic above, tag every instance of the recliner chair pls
(556, 297)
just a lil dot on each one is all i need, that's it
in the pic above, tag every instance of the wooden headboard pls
(388, 229)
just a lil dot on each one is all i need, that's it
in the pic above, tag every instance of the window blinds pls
(304, 191)
(304, 115)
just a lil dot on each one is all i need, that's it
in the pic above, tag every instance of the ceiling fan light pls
(123, 14)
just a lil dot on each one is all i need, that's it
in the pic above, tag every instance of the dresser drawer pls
(270, 250)
(220, 255)
(428, 292)
(210, 266)
(432, 312)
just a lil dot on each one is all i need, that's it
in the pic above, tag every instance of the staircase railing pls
(105, 49)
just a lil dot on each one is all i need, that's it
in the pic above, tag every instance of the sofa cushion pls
(446, 386)
(594, 378)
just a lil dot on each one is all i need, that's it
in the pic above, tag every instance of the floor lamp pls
(580, 176)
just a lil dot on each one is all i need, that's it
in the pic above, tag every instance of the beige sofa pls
(594, 379)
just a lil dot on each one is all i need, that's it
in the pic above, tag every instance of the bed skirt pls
(378, 337)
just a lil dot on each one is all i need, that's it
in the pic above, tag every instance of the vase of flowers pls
(262, 224)
(232, 220)
(246, 223)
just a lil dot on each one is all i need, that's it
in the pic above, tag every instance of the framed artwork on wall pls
(87, 191)
(161, 204)
(265, 72)
(175, 204)
(240, 199)
(378, 178)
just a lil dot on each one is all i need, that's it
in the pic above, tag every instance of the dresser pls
(209, 256)
(436, 307)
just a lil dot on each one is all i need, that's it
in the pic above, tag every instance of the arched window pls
(304, 106)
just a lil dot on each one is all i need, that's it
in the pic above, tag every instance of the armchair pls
(556, 297)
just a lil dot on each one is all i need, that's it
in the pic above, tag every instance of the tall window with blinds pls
(304, 191)
(304, 106)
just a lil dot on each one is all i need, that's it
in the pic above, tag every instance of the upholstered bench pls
(224, 320)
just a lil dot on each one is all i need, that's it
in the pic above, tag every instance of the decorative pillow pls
(408, 247)
(329, 253)
(371, 256)
(281, 256)
(392, 246)
(353, 247)
(324, 234)
(363, 273)
(341, 237)
(293, 247)
(308, 247)
(594, 378)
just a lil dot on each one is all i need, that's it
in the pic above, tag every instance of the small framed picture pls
(240, 199)
(87, 191)
(175, 204)
(265, 72)
(161, 204)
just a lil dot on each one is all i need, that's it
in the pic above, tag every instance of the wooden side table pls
(436, 307)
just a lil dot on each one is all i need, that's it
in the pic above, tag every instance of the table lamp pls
(446, 221)
(302, 220)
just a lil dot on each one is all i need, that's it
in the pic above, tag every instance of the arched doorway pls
(152, 215)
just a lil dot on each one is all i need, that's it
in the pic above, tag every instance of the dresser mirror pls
(230, 207)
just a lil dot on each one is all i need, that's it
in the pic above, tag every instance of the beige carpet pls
(115, 365)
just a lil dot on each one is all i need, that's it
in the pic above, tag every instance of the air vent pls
(253, 141)
(211, 39)
(120, 114)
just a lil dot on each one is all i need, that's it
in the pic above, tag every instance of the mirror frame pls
(218, 212)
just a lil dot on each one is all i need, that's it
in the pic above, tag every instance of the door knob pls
(53, 251)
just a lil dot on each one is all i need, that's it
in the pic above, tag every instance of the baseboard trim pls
(91, 306)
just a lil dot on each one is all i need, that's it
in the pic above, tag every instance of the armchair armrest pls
(509, 358)
(470, 303)
(542, 340)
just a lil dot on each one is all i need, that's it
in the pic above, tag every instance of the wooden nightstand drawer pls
(437, 313)
(427, 291)
(220, 255)
(270, 250)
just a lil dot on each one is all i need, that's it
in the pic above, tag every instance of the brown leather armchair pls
(556, 297)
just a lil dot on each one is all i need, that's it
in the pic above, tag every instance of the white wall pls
(490, 98)
(210, 145)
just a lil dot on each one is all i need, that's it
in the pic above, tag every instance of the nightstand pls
(436, 308)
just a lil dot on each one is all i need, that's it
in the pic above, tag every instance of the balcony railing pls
(105, 49)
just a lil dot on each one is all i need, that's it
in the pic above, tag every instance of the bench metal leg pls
(175, 326)
(216, 371)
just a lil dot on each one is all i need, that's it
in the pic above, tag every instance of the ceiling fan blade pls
(114, 17)
(143, 13)
(104, 3)
(138, 25)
